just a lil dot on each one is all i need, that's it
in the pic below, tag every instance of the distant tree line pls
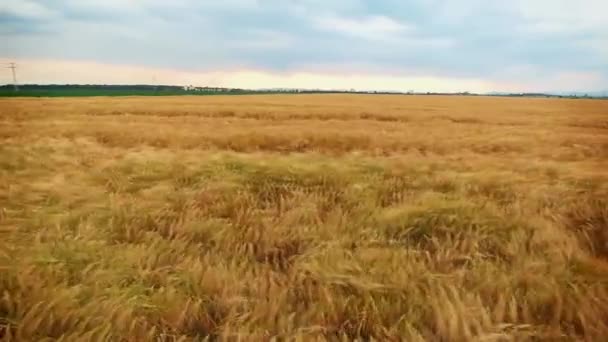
(58, 90)
(61, 90)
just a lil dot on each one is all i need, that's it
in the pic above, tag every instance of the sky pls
(419, 45)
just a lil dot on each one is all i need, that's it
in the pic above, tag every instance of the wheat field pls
(303, 217)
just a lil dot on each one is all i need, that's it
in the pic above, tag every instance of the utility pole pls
(13, 67)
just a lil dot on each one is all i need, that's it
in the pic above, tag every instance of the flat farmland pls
(303, 217)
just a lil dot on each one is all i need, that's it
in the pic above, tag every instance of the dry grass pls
(323, 217)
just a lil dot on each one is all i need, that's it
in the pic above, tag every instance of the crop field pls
(303, 217)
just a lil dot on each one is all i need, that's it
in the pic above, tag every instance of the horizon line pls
(594, 93)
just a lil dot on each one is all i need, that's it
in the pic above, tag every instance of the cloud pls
(369, 27)
(25, 9)
(439, 39)
(262, 39)
(566, 15)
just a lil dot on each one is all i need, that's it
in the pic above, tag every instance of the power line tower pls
(13, 67)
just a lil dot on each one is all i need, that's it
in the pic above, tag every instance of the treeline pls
(70, 90)
(60, 90)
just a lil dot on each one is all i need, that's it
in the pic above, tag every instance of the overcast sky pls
(435, 45)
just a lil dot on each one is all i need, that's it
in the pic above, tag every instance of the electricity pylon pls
(13, 67)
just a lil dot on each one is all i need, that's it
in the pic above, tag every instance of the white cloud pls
(316, 7)
(566, 15)
(539, 16)
(160, 4)
(377, 28)
(599, 45)
(261, 39)
(26, 9)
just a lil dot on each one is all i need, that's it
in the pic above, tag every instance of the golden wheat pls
(310, 217)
